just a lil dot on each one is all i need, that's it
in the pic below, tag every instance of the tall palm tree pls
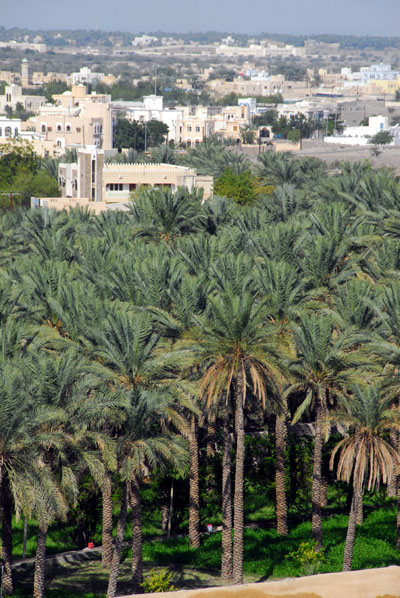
(364, 455)
(326, 362)
(129, 348)
(236, 348)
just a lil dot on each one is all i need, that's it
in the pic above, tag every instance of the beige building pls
(78, 118)
(199, 122)
(13, 95)
(90, 177)
(64, 127)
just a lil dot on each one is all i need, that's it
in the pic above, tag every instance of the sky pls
(357, 17)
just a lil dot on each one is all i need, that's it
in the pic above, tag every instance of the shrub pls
(158, 581)
(307, 558)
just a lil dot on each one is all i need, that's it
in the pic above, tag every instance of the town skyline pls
(354, 17)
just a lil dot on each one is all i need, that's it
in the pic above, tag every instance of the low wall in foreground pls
(369, 583)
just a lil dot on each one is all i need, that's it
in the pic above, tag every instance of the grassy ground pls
(264, 556)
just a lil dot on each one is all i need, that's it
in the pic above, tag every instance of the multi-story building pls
(66, 127)
(199, 122)
(78, 118)
(92, 183)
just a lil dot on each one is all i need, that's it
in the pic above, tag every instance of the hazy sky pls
(357, 17)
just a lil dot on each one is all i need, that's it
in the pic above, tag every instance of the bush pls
(158, 581)
(382, 138)
(307, 558)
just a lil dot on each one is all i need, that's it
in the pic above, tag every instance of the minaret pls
(24, 73)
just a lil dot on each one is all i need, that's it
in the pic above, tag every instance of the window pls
(78, 129)
(197, 129)
(197, 142)
(189, 129)
(43, 128)
(7, 131)
(1, 132)
(115, 187)
(68, 128)
(49, 128)
(59, 128)
(189, 142)
(16, 132)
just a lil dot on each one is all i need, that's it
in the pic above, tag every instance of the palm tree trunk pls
(211, 435)
(324, 491)
(25, 537)
(137, 563)
(392, 482)
(351, 532)
(40, 562)
(316, 521)
(226, 560)
(238, 513)
(280, 490)
(397, 470)
(119, 544)
(360, 510)
(194, 499)
(6, 537)
(107, 532)
(164, 504)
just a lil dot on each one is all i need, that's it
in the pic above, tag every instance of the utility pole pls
(10, 197)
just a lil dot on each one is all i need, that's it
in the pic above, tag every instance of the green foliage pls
(285, 126)
(158, 581)
(265, 119)
(139, 135)
(242, 188)
(21, 173)
(382, 138)
(307, 559)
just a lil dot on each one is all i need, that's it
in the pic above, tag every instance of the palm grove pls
(148, 345)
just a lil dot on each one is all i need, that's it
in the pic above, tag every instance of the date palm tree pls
(365, 457)
(236, 348)
(153, 430)
(326, 363)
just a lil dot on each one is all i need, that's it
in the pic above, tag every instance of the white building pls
(144, 40)
(250, 102)
(151, 108)
(9, 127)
(85, 76)
(361, 135)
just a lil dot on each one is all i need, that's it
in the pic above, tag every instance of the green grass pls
(264, 556)
(265, 551)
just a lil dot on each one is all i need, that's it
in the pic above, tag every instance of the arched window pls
(7, 131)
(197, 142)
(68, 128)
(16, 132)
(43, 128)
(59, 128)
(59, 142)
(1, 132)
(189, 142)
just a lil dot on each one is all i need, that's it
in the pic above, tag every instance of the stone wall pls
(369, 583)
